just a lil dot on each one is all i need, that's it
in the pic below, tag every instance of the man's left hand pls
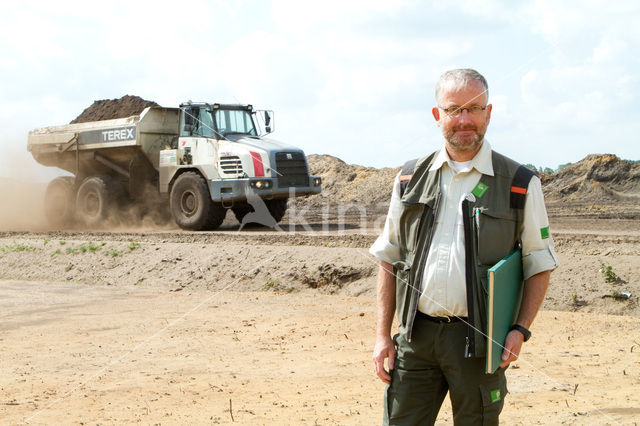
(512, 346)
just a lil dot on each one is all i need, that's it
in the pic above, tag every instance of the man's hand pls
(512, 346)
(384, 348)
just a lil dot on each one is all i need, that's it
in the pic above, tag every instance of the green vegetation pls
(562, 166)
(271, 284)
(17, 248)
(608, 274)
(133, 245)
(113, 253)
(613, 279)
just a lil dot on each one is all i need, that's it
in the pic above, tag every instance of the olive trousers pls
(434, 363)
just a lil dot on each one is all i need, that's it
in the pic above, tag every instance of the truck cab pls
(225, 145)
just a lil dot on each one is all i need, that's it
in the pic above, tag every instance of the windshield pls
(235, 121)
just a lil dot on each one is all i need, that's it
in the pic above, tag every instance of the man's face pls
(464, 132)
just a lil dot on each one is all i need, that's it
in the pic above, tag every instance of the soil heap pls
(350, 183)
(596, 178)
(108, 109)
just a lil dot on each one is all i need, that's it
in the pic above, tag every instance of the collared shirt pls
(443, 289)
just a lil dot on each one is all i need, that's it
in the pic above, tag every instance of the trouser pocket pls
(492, 402)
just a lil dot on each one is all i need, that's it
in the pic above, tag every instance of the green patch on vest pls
(480, 189)
(495, 395)
(544, 232)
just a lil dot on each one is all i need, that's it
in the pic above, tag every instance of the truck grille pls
(231, 165)
(291, 169)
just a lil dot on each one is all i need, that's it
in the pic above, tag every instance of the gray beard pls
(459, 145)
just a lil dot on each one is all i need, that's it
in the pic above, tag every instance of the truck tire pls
(277, 207)
(59, 201)
(95, 200)
(191, 205)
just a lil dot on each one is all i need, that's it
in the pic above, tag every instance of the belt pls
(440, 319)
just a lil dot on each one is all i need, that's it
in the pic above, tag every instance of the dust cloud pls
(22, 187)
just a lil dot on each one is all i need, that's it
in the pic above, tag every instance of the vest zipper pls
(469, 264)
(423, 261)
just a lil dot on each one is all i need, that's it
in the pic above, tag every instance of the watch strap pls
(526, 333)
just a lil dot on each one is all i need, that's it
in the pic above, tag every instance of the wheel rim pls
(188, 203)
(91, 204)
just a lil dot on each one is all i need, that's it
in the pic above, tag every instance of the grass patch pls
(17, 248)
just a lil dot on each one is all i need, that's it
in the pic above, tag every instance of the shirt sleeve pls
(386, 246)
(538, 253)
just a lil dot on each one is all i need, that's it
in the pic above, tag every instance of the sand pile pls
(596, 178)
(108, 109)
(349, 183)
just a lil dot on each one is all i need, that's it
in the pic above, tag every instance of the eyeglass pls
(454, 111)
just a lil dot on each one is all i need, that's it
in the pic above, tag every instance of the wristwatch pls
(526, 333)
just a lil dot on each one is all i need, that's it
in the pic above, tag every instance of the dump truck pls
(201, 159)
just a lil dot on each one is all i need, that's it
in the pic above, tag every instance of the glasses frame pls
(457, 111)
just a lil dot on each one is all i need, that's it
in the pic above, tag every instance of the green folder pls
(503, 300)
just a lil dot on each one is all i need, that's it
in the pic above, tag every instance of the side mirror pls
(267, 122)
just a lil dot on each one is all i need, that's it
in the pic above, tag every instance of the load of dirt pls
(350, 183)
(108, 109)
(596, 178)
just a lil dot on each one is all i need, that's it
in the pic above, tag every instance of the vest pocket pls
(496, 235)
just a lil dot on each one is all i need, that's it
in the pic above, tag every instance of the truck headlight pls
(317, 181)
(260, 184)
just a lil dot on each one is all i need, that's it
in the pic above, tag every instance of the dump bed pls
(117, 142)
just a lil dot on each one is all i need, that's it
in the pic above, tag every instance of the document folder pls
(504, 292)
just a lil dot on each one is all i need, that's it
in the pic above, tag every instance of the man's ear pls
(436, 114)
(489, 108)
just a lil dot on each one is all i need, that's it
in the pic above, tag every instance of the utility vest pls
(492, 219)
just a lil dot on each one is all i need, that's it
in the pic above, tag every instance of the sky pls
(353, 79)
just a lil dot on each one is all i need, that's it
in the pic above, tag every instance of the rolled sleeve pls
(386, 247)
(538, 253)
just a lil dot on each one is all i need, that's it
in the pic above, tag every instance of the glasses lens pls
(453, 111)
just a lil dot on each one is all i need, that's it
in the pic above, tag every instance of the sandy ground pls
(82, 354)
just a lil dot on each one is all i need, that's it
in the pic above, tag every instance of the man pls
(453, 215)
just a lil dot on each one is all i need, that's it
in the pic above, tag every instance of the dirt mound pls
(596, 178)
(108, 109)
(350, 183)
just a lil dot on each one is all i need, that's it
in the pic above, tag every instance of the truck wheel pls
(59, 202)
(277, 208)
(191, 204)
(95, 198)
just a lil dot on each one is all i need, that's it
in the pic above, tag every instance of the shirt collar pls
(481, 162)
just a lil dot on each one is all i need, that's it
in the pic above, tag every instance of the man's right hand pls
(384, 348)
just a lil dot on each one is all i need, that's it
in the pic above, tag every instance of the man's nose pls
(465, 116)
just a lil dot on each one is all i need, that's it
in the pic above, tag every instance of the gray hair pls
(459, 78)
